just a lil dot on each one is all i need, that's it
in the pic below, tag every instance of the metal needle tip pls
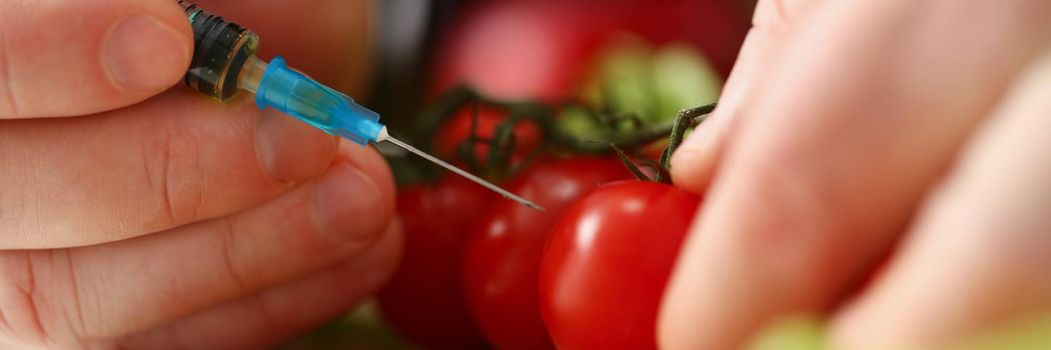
(463, 173)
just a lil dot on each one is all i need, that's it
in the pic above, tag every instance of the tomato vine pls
(625, 141)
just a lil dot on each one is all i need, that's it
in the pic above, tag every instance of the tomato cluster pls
(480, 271)
(589, 270)
(424, 299)
(503, 255)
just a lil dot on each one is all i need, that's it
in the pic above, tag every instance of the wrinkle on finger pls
(173, 160)
(42, 299)
(194, 267)
(276, 314)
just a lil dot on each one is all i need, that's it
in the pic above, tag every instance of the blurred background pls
(531, 48)
(653, 56)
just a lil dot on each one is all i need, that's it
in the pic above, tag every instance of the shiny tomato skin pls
(424, 299)
(543, 49)
(503, 254)
(607, 262)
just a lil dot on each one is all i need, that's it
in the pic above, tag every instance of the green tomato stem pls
(688, 118)
(503, 142)
(634, 168)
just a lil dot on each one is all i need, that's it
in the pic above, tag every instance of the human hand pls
(850, 127)
(135, 215)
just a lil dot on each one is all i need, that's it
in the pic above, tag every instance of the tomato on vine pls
(607, 262)
(475, 124)
(502, 256)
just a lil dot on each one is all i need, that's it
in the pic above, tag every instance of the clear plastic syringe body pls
(224, 62)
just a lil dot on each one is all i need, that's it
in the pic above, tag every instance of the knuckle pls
(32, 315)
(175, 174)
(229, 249)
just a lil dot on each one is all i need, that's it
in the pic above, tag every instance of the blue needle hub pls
(318, 105)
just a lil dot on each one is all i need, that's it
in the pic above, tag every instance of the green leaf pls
(624, 79)
(653, 84)
(683, 78)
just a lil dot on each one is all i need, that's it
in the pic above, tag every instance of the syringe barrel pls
(220, 51)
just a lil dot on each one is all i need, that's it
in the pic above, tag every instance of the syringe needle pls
(463, 173)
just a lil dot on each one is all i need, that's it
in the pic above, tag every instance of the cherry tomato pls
(607, 262)
(542, 49)
(503, 253)
(424, 299)
(458, 128)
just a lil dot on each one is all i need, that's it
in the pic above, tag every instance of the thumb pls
(75, 57)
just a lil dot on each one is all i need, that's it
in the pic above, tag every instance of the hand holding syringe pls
(168, 211)
(224, 62)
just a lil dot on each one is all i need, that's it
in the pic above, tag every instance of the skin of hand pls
(135, 213)
(856, 132)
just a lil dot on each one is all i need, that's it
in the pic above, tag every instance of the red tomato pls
(543, 49)
(607, 262)
(424, 299)
(503, 254)
(458, 128)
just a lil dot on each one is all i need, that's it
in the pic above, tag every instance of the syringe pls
(224, 62)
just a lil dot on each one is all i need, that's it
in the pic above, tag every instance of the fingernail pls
(692, 164)
(142, 53)
(291, 150)
(699, 139)
(684, 156)
(347, 203)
